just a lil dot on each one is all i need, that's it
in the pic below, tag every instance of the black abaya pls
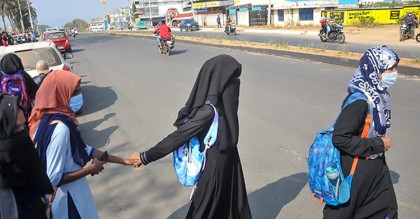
(221, 191)
(372, 193)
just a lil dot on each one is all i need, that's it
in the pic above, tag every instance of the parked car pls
(52, 29)
(189, 24)
(31, 53)
(141, 25)
(60, 39)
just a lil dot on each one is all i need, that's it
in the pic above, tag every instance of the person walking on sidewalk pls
(372, 193)
(221, 191)
(219, 24)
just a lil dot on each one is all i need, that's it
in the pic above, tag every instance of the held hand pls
(97, 166)
(387, 143)
(133, 159)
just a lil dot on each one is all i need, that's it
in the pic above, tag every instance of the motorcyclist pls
(229, 23)
(411, 20)
(164, 32)
(325, 27)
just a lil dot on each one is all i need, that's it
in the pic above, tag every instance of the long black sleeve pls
(31, 86)
(348, 128)
(201, 121)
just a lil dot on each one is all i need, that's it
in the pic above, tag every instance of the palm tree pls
(10, 9)
(5, 5)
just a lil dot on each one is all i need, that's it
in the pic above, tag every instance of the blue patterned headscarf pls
(374, 62)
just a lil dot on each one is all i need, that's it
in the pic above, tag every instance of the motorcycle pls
(336, 34)
(405, 32)
(166, 45)
(418, 37)
(232, 29)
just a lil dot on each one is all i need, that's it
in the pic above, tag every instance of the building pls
(119, 18)
(96, 24)
(155, 10)
(206, 11)
(282, 12)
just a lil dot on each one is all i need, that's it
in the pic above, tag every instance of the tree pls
(78, 23)
(10, 9)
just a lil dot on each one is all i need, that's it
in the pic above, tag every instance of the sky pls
(56, 13)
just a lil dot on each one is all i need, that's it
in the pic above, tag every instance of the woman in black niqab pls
(221, 191)
(11, 64)
(20, 169)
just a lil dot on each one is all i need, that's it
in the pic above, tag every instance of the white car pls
(31, 53)
(52, 29)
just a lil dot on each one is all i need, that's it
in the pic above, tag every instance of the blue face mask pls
(389, 79)
(76, 102)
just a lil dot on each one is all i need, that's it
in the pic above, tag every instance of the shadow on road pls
(77, 50)
(97, 138)
(97, 98)
(267, 202)
(177, 52)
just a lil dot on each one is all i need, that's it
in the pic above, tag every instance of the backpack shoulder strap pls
(365, 133)
(211, 135)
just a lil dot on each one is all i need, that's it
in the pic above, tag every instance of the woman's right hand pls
(387, 143)
(97, 166)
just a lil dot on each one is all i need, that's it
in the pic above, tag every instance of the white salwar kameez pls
(59, 162)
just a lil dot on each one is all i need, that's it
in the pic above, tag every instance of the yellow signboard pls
(199, 5)
(103, 1)
(381, 16)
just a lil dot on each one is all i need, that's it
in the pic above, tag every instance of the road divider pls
(410, 67)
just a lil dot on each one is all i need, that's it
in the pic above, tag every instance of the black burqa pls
(221, 191)
(20, 167)
(10, 64)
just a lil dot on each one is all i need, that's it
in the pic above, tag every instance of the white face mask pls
(389, 79)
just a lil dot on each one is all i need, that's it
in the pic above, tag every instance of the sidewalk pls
(263, 31)
(387, 35)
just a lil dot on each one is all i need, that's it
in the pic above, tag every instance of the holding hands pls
(133, 159)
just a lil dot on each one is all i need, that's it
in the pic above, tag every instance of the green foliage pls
(78, 23)
(10, 9)
(133, 9)
(365, 22)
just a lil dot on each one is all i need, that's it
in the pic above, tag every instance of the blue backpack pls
(326, 179)
(189, 162)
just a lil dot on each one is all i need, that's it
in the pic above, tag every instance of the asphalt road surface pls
(404, 51)
(132, 95)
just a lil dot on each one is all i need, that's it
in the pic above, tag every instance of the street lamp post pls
(21, 17)
(192, 8)
(150, 13)
(30, 16)
(269, 13)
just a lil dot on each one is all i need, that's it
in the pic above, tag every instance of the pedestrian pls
(32, 36)
(60, 146)
(221, 191)
(43, 69)
(372, 193)
(23, 182)
(219, 23)
(16, 81)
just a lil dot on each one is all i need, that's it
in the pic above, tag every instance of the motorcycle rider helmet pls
(410, 13)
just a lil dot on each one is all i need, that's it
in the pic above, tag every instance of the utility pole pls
(269, 13)
(192, 9)
(150, 13)
(21, 18)
(30, 16)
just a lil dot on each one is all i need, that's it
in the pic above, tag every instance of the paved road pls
(132, 95)
(404, 51)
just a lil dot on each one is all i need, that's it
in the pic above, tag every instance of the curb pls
(402, 69)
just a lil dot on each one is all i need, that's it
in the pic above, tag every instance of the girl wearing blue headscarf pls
(372, 193)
